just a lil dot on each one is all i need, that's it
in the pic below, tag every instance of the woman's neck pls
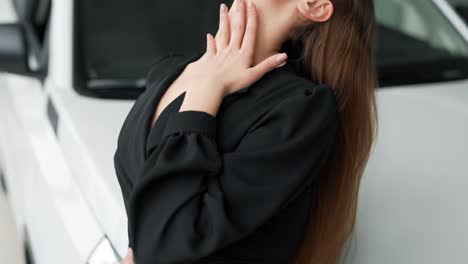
(272, 32)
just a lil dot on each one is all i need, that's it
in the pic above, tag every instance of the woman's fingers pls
(248, 44)
(265, 66)
(223, 35)
(236, 37)
(232, 9)
(210, 44)
(237, 22)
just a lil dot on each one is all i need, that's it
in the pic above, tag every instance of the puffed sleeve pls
(193, 200)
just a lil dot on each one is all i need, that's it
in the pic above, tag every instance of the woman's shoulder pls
(294, 104)
(162, 65)
(293, 84)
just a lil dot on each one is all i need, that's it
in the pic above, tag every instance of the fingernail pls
(281, 57)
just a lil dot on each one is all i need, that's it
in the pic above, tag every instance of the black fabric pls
(230, 188)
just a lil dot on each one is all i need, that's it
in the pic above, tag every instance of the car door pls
(51, 214)
(19, 102)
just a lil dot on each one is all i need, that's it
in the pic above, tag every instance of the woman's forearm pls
(202, 99)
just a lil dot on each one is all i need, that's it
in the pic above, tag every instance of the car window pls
(417, 44)
(117, 43)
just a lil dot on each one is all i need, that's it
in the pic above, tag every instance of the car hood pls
(412, 197)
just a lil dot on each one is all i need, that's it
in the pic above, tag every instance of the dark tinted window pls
(417, 44)
(117, 41)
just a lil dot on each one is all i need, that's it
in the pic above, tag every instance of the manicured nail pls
(279, 58)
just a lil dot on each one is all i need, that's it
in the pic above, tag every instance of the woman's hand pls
(225, 67)
(129, 258)
(226, 64)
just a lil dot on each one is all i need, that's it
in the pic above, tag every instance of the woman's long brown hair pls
(340, 53)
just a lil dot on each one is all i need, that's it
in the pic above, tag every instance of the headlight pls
(104, 253)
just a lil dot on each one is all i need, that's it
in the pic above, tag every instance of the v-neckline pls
(170, 104)
(161, 87)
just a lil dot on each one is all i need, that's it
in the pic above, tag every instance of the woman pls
(243, 155)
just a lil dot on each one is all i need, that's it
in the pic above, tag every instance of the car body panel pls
(87, 133)
(7, 13)
(46, 200)
(45, 196)
(412, 202)
(63, 187)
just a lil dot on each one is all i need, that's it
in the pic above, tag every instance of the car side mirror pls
(13, 50)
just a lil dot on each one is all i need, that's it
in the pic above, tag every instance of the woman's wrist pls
(206, 99)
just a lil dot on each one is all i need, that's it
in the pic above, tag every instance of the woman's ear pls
(316, 10)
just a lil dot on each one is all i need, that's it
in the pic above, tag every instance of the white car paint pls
(413, 200)
(50, 180)
(412, 205)
(7, 13)
(11, 250)
(89, 148)
(52, 206)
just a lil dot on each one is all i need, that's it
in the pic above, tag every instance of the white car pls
(461, 7)
(72, 70)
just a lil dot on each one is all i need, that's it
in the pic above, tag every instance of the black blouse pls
(230, 188)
